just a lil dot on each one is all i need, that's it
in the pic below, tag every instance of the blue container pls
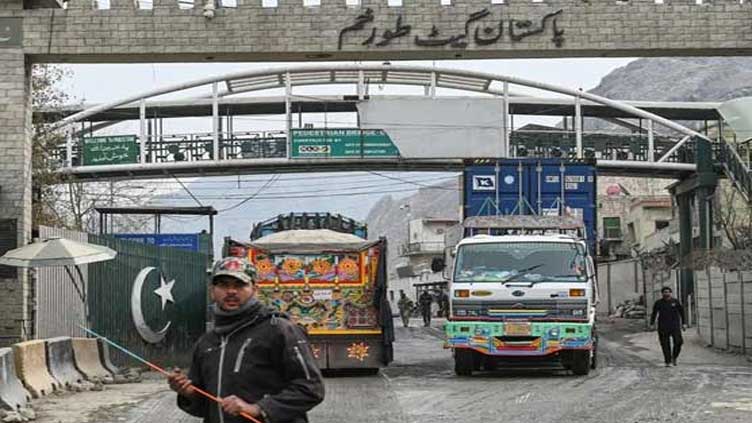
(532, 187)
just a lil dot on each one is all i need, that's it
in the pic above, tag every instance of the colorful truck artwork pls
(333, 285)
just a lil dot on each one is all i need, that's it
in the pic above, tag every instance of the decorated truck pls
(521, 276)
(331, 283)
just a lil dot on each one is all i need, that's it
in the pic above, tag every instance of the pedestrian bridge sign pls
(342, 143)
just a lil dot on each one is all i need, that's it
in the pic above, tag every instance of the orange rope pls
(165, 373)
(201, 391)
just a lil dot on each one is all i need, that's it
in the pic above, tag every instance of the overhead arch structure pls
(672, 156)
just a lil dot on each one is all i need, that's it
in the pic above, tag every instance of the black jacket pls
(670, 314)
(266, 361)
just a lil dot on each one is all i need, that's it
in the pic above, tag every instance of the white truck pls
(523, 290)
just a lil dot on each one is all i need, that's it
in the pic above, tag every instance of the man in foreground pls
(671, 322)
(255, 360)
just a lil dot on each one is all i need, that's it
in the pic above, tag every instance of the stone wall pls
(15, 179)
(724, 308)
(291, 31)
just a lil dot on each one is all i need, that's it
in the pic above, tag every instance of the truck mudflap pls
(519, 338)
(347, 352)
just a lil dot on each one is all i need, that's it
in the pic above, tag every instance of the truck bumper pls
(347, 351)
(519, 339)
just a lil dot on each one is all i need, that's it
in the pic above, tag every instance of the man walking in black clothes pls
(671, 322)
(425, 300)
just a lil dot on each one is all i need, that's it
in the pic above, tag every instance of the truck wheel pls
(478, 361)
(594, 357)
(581, 363)
(463, 362)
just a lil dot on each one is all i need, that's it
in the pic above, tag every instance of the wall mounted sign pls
(11, 32)
(110, 150)
(481, 29)
(342, 143)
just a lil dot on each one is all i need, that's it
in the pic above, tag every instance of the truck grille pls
(524, 309)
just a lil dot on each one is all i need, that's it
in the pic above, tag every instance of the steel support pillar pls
(707, 181)
(686, 276)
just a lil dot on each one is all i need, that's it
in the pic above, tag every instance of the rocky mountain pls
(679, 79)
(654, 79)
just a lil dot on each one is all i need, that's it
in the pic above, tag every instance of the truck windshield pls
(521, 262)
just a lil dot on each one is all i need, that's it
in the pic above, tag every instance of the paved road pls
(629, 387)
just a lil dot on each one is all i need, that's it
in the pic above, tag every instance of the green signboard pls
(110, 150)
(342, 143)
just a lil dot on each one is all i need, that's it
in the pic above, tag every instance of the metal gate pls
(151, 300)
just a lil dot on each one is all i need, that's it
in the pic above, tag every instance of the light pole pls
(406, 208)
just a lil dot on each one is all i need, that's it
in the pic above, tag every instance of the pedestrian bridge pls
(459, 115)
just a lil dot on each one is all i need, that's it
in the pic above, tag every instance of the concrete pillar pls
(123, 4)
(81, 4)
(15, 178)
(170, 4)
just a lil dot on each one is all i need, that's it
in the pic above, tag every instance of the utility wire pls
(289, 194)
(412, 182)
(375, 183)
(348, 177)
(188, 191)
(263, 187)
(317, 195)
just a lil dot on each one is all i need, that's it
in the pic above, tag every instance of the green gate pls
(151, 300)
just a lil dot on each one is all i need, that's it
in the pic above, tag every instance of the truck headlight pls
(460, 312)
(578, 312)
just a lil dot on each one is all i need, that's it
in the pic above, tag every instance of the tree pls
(59, 201)
(46, 154)
(734, 216)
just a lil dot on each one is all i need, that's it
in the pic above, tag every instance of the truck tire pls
(463, 362)
(594, 357)
(581, 363)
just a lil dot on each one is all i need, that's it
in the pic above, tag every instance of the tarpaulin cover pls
(302, 241)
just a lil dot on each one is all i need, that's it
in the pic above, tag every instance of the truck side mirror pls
(437, 264)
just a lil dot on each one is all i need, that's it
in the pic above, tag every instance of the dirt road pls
(630, 386)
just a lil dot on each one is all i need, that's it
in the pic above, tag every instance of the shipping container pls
(544, 187)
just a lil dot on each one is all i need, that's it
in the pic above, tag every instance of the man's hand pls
(180, 383)
(233, 406)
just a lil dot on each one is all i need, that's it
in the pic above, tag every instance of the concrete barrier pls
(86, 354)
(104, 356)
(60, 361)
(31, 368)
(13, 396)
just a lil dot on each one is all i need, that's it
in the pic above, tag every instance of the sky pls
(94, 83)
(351, 194)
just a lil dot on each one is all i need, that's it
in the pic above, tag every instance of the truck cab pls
(522, 298)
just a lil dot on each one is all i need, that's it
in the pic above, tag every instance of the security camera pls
(209, 9)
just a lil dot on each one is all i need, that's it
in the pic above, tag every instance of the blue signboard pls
(183, 241)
